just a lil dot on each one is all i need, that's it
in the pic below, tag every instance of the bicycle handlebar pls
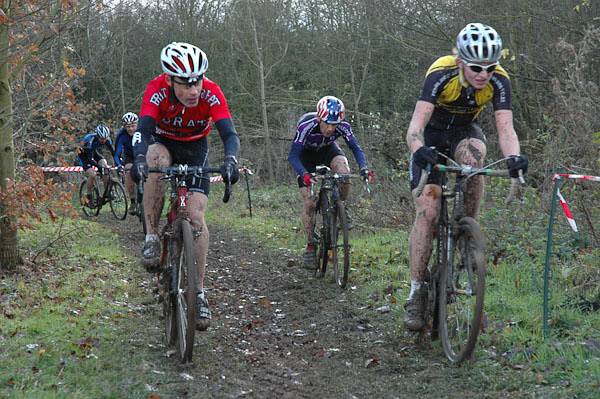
(469, 171)
(197, 171)
(324, 173)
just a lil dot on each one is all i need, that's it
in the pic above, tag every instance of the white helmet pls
(102, 131)
(183, 60)
(479, 43)
(129, 117)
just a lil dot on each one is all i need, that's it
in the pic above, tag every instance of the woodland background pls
(70, 64)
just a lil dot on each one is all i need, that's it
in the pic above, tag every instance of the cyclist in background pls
(178, 110)
(315, 144)
(456, 89)
(124, 154)
(89, 155)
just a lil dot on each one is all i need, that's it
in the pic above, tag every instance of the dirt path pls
(278, 332)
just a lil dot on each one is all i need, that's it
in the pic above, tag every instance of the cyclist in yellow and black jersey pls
(456, 102)
(456, 89)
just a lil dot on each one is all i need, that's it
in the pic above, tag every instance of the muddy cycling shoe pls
(414, 310)
(202, 313)
(310, 257)
(132, 208)
(151, 256)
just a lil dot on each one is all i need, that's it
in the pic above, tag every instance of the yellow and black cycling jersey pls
(456, 102)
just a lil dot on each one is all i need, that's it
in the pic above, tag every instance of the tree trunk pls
(8, 233)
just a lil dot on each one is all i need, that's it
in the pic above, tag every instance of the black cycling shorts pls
(310, 159)
(87, 160)
(193, 153)
(444, 141)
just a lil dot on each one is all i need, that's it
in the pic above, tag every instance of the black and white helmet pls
(479, 43)
(102, 131)
(183, 60)
(129, 117)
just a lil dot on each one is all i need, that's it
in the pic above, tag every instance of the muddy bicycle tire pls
(168, 298)
(139, 210)
(87, 209)
(461, 303)
(185, 291)
(340, 249)
(118, 200)
(322, 226)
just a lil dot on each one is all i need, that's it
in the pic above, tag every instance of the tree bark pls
(8, 233)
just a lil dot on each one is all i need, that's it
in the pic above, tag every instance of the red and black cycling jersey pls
(174, 121)
(456, 102)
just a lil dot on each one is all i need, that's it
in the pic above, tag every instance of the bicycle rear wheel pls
(185, 291)
(340, 251)
(461, 293)
(322, 227)
(90, 207)
(118, 200)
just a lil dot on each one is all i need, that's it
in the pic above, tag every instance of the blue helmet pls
(331, 110)
(102, 131)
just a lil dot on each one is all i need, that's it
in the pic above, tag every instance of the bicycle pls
(332, 222)
(139, 204)
(113, 193)
(178, 269)
(456, 276)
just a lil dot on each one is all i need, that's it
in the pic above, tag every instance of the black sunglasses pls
(478, 68)
(190, 83)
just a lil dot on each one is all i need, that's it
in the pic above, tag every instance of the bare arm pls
(507, 137)
(420, 118)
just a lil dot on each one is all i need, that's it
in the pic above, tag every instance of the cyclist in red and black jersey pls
(456, 89)
(179, 108)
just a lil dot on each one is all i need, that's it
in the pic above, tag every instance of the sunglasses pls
(192, 83)
(478, 68)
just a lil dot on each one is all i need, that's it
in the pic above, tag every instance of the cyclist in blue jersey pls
(455, 91)
(124, 154)
(88, 154)
(315, 144)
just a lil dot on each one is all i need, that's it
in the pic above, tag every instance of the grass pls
(568, 362)
(68, 330)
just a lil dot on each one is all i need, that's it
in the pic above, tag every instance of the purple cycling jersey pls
(309, 138)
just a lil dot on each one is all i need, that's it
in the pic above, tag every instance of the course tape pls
(563, 202)
(213, 179)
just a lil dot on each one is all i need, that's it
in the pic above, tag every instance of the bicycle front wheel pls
(140, 211)
(185, 291)
(118, 200)
(461, 293)
(90, 206)
(322, 227)
(340, 246)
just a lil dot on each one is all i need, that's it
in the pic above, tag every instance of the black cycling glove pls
(230, 169)
(140, 168)
(424, 157)
(516, 163)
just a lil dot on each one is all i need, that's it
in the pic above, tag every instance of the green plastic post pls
(557, 184)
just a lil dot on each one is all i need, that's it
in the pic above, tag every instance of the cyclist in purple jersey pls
(315, 144)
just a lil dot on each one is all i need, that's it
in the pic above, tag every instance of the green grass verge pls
(569, 361)
(70, 323)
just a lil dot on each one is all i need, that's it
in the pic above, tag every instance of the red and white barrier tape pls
(213, 179)
(563, 203)
(567, 211)
(575, 177)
